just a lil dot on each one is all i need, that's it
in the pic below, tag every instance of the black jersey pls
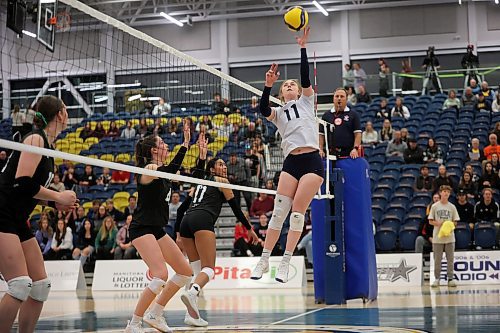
(208, 199)
(19, 209)
(154, 197)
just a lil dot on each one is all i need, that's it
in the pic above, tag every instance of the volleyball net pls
(121, 84)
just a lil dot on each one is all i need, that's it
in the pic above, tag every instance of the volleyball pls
(296, 18)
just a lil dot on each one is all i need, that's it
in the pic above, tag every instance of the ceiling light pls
(171, 19)
(134, 97)
(29, 33)
(321, 8)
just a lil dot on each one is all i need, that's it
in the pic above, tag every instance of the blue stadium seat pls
(420, 201)
(462, 236)
(85, 197)
(114, 187)
(399, 202)
(407, 236)
(103, 196)
(385, 239)
(412, 221)
(402, 192)
(485, 235)
(96, 189)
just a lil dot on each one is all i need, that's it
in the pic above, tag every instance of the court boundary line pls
(300, 315)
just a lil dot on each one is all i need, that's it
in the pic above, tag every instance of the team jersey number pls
(287, 112)
(169, 194)
(199, 193)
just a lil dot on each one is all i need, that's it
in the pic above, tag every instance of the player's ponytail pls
(143, 147)
(46, 110)
(211, 165)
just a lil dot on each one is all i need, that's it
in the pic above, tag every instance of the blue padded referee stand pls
(344, 246)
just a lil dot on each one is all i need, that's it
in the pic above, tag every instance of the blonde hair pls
(104, 232)
(280, 95)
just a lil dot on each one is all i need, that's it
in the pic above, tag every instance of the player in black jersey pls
(147, 234)
(24, 181)
(198, 236)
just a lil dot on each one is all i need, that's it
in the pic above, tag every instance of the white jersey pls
(297, 124)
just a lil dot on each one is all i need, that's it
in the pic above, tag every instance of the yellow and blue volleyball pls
(296, 18)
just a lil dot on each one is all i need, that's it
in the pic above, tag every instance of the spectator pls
(259, 145)
(205, 120)
(88, 178)
(468, 98)
(105, 240)
(113, 131)
(76, 219)
(383, 74)
(467, 185)
(263, 204)
(487, 210)
(173, 206)
(359, 76)
(248, 132)
(17, 121)
(142, 128)
(132, 205)
(217, 104)
(489, 179)
(190, 125)
(348, 76)
(242, 242)
(396, 147)
(362, 96)
(486, 91)
(443, 178)
(433, 154)
(404, 135)
(424, 182)
(407, 81)
(384, 111)
(69, 178)
(262, 163)
(495, 107)
(260, 127)
(270, 186)
(400, 110)
(465, 209)
(254, 107)
(99, 131)
(104, 178)
(252, 162)
(351, 96)
(162, 108)
(386, 133)
(493, 147)
(470, 169)
(113, 212)
(86, 132)
(62, 242)
(120, 177)
(369, 135)
(496, 131)
(413, 154)
(452, 101)
(128, 132)
(44, 235)
(124, 248)
(234, 136)
(474, 86)
(482, 104)
(148, 107)
(225, 128)
(475, 153)
(238, 173)
(425, 229)
(3, 159)
(85, 241)
(99, 217)
(228, 107)
(28, 121)
(495, 163)
(157, 128)
(92, 214)
(440, 212)
(56, 184)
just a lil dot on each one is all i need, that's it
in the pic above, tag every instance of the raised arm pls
(307, 89)
(271, 76)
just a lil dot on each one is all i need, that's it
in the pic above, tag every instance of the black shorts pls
(137, 230)
(21, 229)
(196, 221)
(302, 164)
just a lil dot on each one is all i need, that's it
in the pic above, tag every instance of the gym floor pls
(421, 309)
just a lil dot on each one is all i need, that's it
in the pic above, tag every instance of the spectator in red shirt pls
(262, 205)
(120, 177)
(493, 147)
(243, 243)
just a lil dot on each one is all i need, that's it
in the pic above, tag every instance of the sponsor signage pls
(399, 269)
(229, 273)
(478, 267)
(65, 275)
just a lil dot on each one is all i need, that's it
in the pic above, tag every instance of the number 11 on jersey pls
(287, 112)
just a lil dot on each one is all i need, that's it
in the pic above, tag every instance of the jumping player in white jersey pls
(303, 170)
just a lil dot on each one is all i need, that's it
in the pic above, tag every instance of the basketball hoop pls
(63, 21)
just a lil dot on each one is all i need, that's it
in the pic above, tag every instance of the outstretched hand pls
(203, 145)
(272, 75)
(187, 133)
(302, 40)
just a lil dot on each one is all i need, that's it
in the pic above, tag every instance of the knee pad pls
(209, 271)
(282, 205)
(20, 287)
(196, 266)
(156, 285)
(40, 290)
(180, 280)
(296, 221)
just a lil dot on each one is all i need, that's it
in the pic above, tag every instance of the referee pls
(344, 135)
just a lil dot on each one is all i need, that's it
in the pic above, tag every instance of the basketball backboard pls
(46, 27)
